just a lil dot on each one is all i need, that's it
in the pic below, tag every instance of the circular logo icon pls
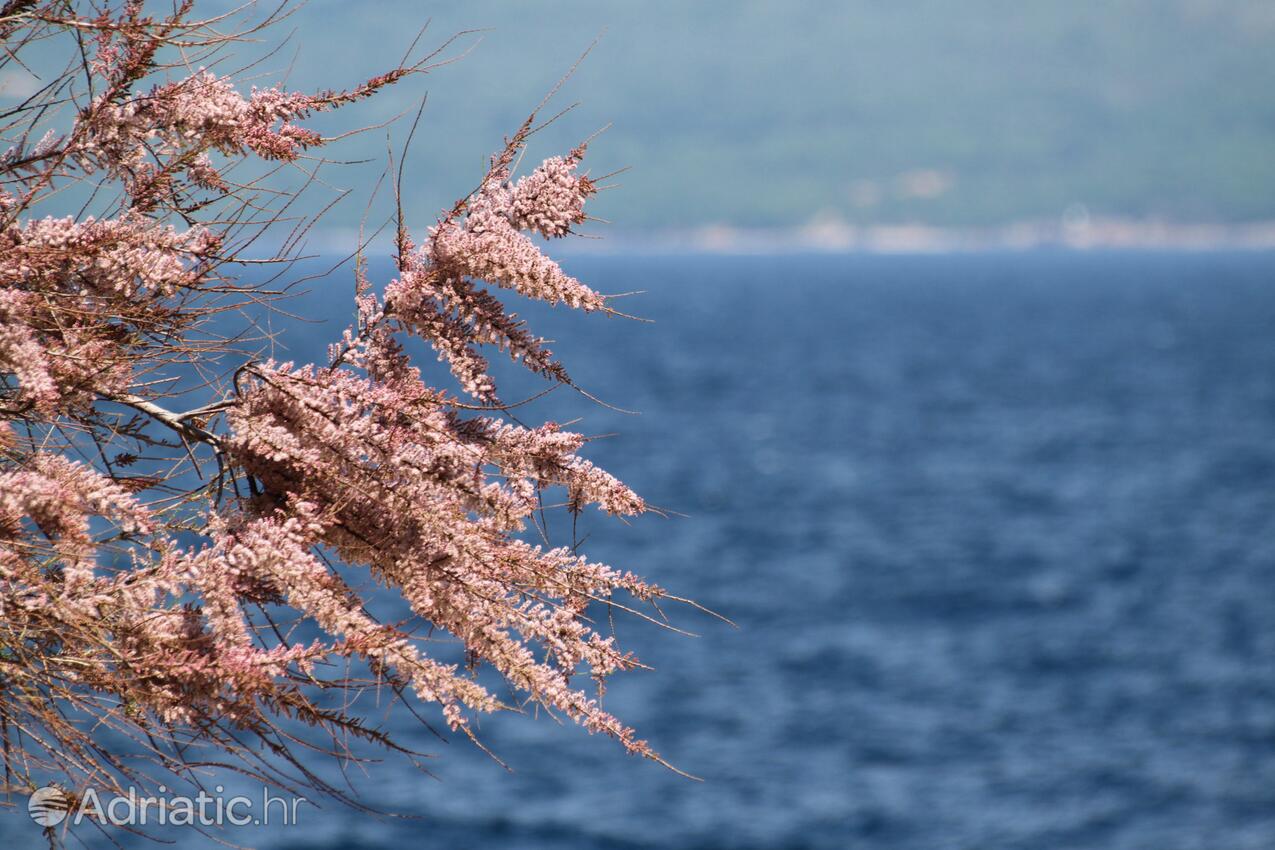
(48, 806)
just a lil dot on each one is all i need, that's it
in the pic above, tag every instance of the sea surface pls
(997, 532)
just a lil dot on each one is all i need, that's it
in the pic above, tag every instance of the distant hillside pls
(871, 111)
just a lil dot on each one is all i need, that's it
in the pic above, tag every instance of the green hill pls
(877, 111)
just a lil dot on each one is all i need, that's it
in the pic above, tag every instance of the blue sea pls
(998, 535)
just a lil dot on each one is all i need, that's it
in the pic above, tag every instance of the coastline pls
(838, 237)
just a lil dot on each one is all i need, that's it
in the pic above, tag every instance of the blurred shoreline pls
(837, 237)
(1079, 233)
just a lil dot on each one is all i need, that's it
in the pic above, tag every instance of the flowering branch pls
(140, 596)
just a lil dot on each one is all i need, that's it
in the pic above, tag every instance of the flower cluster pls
(396, 481)
(435, 295)
(489, 244)
(79, 297)
(57, 496)
(122, 257)
(551, 199)
(202, 112)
